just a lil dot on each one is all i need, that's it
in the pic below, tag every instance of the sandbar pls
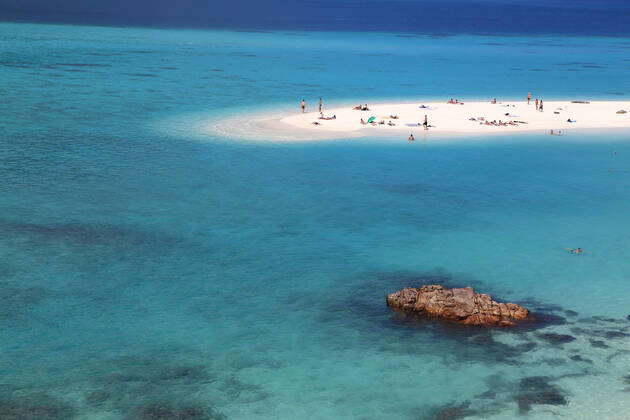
(473, 118)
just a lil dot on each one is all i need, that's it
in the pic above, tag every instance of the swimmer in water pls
(575, 250)
(411, 137)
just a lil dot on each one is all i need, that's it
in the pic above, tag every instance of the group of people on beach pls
(500, 123)
(538, 102)
(381, 122)
(320, 106)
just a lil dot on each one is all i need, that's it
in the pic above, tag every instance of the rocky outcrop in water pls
(463, 306)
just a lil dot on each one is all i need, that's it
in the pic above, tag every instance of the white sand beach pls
(445, 120)
(478, 118)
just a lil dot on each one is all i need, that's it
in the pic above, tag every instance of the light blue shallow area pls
(169, 268)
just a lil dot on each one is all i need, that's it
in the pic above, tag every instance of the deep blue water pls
(149, 268)
(567, 17)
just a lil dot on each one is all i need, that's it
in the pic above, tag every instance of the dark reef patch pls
(128, 381)
(578, 358)
(180, 373)
(97, 397)
(598, 344)
(159, 386)
(155, 374)
(601, 333)
(535, 305)
(611, 335)
(538, 320)
(556, 339)
(555, 361)
(538, 390)
(451, 411)
(491, 349)
(35, 407)
(604, 319)
(234, 388)
(488, 395)
(14, 301)
(82, 234)
(164, 411)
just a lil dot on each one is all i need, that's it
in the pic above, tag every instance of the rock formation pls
(463, 306)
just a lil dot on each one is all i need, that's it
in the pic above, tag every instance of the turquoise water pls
(153, 271)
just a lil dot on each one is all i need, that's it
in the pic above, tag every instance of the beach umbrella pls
(371, 119)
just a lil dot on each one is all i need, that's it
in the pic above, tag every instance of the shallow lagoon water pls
(150, 269)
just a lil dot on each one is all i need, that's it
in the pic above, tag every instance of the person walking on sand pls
(303, 106)
(540, 106)
(426, 122)
(321, 105)
(529, 97)
(536, 104)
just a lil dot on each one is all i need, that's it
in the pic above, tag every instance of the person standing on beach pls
(426, 122)
(540, 106)
(536, 104)
(303, 106)
(529, 97)
(321, 105)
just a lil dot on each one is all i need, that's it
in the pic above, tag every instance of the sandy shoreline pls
(445, 119)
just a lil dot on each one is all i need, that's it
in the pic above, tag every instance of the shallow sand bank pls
(458, 117)
(444, 118)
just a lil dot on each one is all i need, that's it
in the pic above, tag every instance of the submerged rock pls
(599, 344)
(463, 306)
(537, 390)
(453, 412)
(97, 397)
(556, 339)
(159, 411)
(35, 407)
(578, 358)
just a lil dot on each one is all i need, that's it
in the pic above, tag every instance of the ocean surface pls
(506, 17)
(153, 270)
